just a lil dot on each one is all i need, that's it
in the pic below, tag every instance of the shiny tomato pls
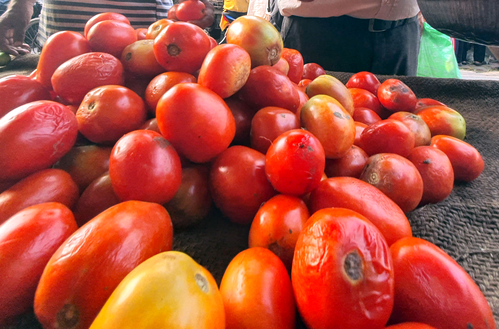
(49, 185)
(329, 85)
(27, 241)
(256, 292)
(443, 120)
(196, 121)
(238, 183)
(364, 98)
(430, 286)
(104, 17)
(295, 61)
(111, 37)
(421, 131)
(190, 10)
(172, 12)
(304, 83)
(160, 84)
(387, 136)
(18, 90)
(410, 325)
(156, 27)
(277, 224)
(312, 71)
(342, 272)
(138, 59)
(243, 114)
(365, 115)
(282, 65)
(34, 136)
(141, 33)
(151, 124)
(81, 275)
(364, 80)
(351, 164)
(169, 290)
(359, 128)
(424, 102)
(359, 196)
(395, 96)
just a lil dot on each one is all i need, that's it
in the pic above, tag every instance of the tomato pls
(151, 124)
(160, 84)
(172, 12)
(108, 112)
(27, 241)
(18, 90)
(387, 136)
(190, 10)
(415, 123)
(256, 291)
(359, 128)
(396, 177)
(138, 59)
(169, 290)
(329, 85)
(225, 69)
(104, 17)
(312, 71)
(367, 200)
(467, 163)
(73, 79)
(364, 98)
(49, 185)
(238, 183)
(295, 162)
(258, 37)
(282, 65)
(365, 115)
(424, 102)
(342, 272)
(196, 121)
(59, 48)
(432, 288)
(81, 275)
(351, 164)
(156, 27)
(207, 19)
(304, 83)
(268, 123)
(33, 137)
(364, 80)
(328, 120)
(395, 96)
(410, 325)
(181, 47)
(243, 114)
(437, 173)
(295, 61)
(111, 37)
(443, 120)
(141, 33)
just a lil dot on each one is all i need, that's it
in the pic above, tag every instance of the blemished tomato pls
(111, 37)
(443, 120)
(328, 120)
(196, 121)
(104, 17)
(268, 123)
(395, 96)
(34, 136)
(144, 166)
(225, 69)
(387, 136)
(421, 131)
(410, 325)
(396, 177)
(432, 288)
(295, 162)
(364, 80)
(437, 173)
(138, 59)
(156, 27)
(329, 85)
(27, 241)
(108, 112)
(169, 290)
(181, 47)
(81, 275)
(342, 272)
(73, 79)
(49, 185)
(160, 84)
(243, 114)
(467, 163)
(256, 291)
(312, 71)
(238, 183)
(364, 98)
(295, 62)
(367, 200)
(277, 224)
(190, 10)
(350, 165)
(365, 115)
(18, 90)
(424, 102)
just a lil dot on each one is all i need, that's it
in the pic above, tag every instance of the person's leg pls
(478, 53)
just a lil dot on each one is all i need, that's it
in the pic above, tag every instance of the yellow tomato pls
(169, 290)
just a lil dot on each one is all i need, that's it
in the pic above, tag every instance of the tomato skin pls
(410, 325)
(156, 27)
(432, 288)
(111, 37)
(421, 131)
(466, 161)
(395, 96)
(104, 17)
(443, 120)
(359, 128)
(34, 137)
(243, 115)
(387, 136)
(17, 90)
(365, 115)
(364, 80)
(27, 241)
(295, 61)
(329, 85)
(342, 266)
(138, 59)
(190, 10)
(364, 98)
(282, 65)
(351, 164)
(257, 292)
(424, 102)
(367, 200)
(312, 71)
(87, 267)
(160, 84)
(49, 185)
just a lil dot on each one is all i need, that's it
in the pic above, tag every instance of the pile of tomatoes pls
(120, 137)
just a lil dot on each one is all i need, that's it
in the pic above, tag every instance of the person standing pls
(232, 10)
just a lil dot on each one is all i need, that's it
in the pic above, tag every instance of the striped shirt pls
(67, 15)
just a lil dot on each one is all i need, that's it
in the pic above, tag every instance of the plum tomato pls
(359, 128)
(106, 16)
(365, 115)
(111, 37)
(395, 96)
(295, 61)
(312, 71)
(443, 120)
(156, 27)
(243, 114)
(191, 10)
(18, 90)
(421, 131)
(342, 272)
(329, 85)
(349, 165)
(364, 80)
(424, 102)
(160, 84)
(364, 98)
(387, 136)
(138, 59)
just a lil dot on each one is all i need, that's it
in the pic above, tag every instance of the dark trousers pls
(462, 50)
(346, 44)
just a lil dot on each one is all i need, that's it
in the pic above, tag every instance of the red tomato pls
(329, 85)
(257, 292)
(49, 185)
(359, 128)
(424, 102)
(277, 225)
(365, 115)
(108, 112)
(419, 128)
(160, 84)
(351, 164)
(282, 65)
(295, 162)
(33, 137)
(387, 136)
(243, 114)
(364, 80)
(312, 71)
(395, 96)
(304, 83)
(342, 272)
(443, 120)
(87, 267)
(364, 98)
(151, 124)
(144, 166)
(367, 200)
(410, 325)
(295, 61)
(111, 37)
(432, 288)
(156, 27)
(104, 17)
(196, 121)
(172, 12)
(141, 33)
(190, 10)
(138, 59)
(18, 90)
(238, 183)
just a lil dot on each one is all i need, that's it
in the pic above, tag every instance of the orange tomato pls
(160, 84)
(443, 120)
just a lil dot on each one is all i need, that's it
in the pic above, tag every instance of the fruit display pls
(120, 146)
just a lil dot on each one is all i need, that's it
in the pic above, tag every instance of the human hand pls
(209, 16)
(12, 28)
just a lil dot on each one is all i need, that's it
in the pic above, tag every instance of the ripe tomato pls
(443, 120)
(277, 224)
(190, 10)
(364, 98)
(141, 33)
(172, 12)
(364, 80)
(410, 325)
(33, 137)
(359, 128)
(151, 124)
(312, 71)
(395, 96)
(104, 17)
(18, 90)
(108, 112)
(430, 286)
(138, 59)
(304, 83)
(156, 27)
(256, 292)
(160, 84)
(351, 164)
(424, 102)
(295, 162)
(243, 114)
(111, 37)
(89, 265)
(367, 200)
(27, 241)
(329, 85)
(365, 115)
(387, 136)
(282, 65)
(169, 290)
(196, 121)
(342, 272)
(295, 61)
(419, 128)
